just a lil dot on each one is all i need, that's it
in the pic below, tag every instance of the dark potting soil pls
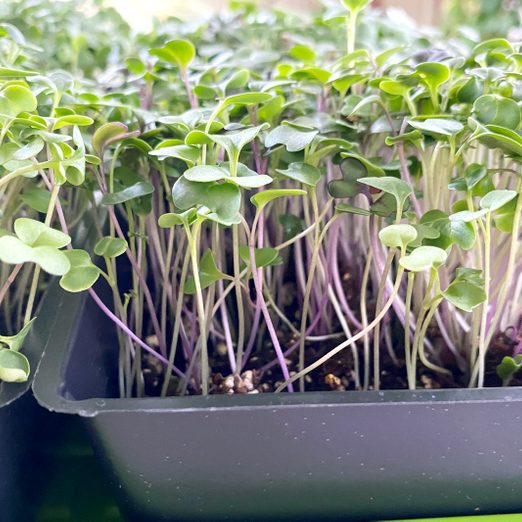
(262, 374)
(337, 374)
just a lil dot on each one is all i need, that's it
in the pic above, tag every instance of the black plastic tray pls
(345, 455)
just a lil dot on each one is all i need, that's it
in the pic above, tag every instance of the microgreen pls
(265, 202)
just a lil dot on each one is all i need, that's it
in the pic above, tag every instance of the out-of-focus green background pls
(140, 12)
(490, 18)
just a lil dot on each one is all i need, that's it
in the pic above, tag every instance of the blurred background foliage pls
(489, 18)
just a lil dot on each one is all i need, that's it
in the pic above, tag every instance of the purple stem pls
(143, 283)
(258, 283)
(122, 326)
(226, 330)
(294, 346)
(257, 312)
(334, 270)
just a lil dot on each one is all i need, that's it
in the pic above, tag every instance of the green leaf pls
(311, 74)
(197, 137)
(178, 52)
(233, 142)
(355, 5)
(137, 190)
(31, 150)
(238, 80)
(171, 219)
(246, 98)
(497, 110)
(371, 169)
(469, 91)
(208, 273)
(82, 274)
(473, 175)
(443, 126)
(424, 258)
(394, 186)
(263, 256)
(187, 153)
(509, 366)
(72, 119)
(15, 342)
(219, 202)
(504, 217)
(292, 225)
(14, 366)
(412, 136)
(433, 74)
(497, 198)
(250, 182)
(466, 291)
(50, 259)
(261, 199)
(36, 198)
(397, 236)
(302, 53)
(302, 172)
(10, 72)
(135, 66)
(293, 137)
(353, 168)
(393, 87)
(34, 233)
(349, 209)
(450, 230)
(493, 44)
(205, 173)
(110, 133)
(15, 99)
(496, 137)
(110, 247)
(467, 216)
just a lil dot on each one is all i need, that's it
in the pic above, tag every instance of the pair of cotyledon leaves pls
(466, 291)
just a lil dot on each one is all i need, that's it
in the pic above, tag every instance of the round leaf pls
(179, 52)
(14, 366)
(110, 133)
(110, 247)
(497, 198)
(261, 199)
(394, 186)
(34, 233)
(303, 173)
(397, 236)
(82, 274)
(137, 190)
(205, 173)
(424, 258)
(497, 110)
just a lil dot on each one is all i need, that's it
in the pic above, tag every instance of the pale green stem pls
(364, 319)
(420, 341)
(177, 324)
(479, 367)
(407, 333)
(377, 333)
(192, 237)
(306, 298)
(24, 170)
(352, 339)
(351, 28)
(36, 275)
(510, 266)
